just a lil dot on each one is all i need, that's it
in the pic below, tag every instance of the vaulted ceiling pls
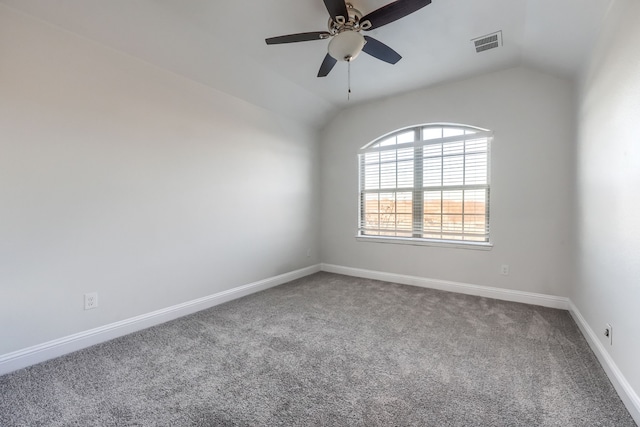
(221, 44)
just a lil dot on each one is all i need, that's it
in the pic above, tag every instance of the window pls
(426, 183)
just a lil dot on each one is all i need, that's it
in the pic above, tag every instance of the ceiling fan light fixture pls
(346, 46)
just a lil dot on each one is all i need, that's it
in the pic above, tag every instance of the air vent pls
(489, 41)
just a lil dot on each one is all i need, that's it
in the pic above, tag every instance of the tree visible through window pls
(426, 182)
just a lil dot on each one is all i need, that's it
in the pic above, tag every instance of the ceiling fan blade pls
(336, 8)
(393, 11)
(300, 37)
(380, 50)
(327, 65)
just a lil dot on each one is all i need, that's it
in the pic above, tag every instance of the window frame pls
(418, 188)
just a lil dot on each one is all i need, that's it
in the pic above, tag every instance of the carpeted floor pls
(330, 350)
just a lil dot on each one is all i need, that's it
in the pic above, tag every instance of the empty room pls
(319, 213)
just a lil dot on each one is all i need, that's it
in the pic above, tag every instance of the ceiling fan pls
(345, 25)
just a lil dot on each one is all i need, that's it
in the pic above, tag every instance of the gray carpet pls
(330, 350)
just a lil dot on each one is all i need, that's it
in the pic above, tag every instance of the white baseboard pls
(625, 391)
(39, 353)
(461, 288)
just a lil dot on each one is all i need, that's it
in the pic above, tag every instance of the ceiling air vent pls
(489, 41)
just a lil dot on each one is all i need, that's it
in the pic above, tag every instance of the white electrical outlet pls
(309, 253)
(504, 270)
(90, 300)
(608, 332)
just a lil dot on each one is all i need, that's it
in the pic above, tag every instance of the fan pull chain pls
(349, 80)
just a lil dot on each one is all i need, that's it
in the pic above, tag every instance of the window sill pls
(479, 246)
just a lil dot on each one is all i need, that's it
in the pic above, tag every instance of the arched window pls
(427, 183)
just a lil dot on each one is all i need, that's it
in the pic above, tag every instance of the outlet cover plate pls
(90, 300)
(608, 332)
(504, 269)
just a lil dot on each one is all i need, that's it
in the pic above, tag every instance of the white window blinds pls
(427, 182)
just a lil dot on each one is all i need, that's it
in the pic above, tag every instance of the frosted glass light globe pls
(346, 46)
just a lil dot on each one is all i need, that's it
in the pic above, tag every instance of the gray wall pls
(124, 179)
(607, 287)
(532, 117)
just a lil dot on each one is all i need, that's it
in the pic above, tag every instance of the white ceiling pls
(221, 44)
